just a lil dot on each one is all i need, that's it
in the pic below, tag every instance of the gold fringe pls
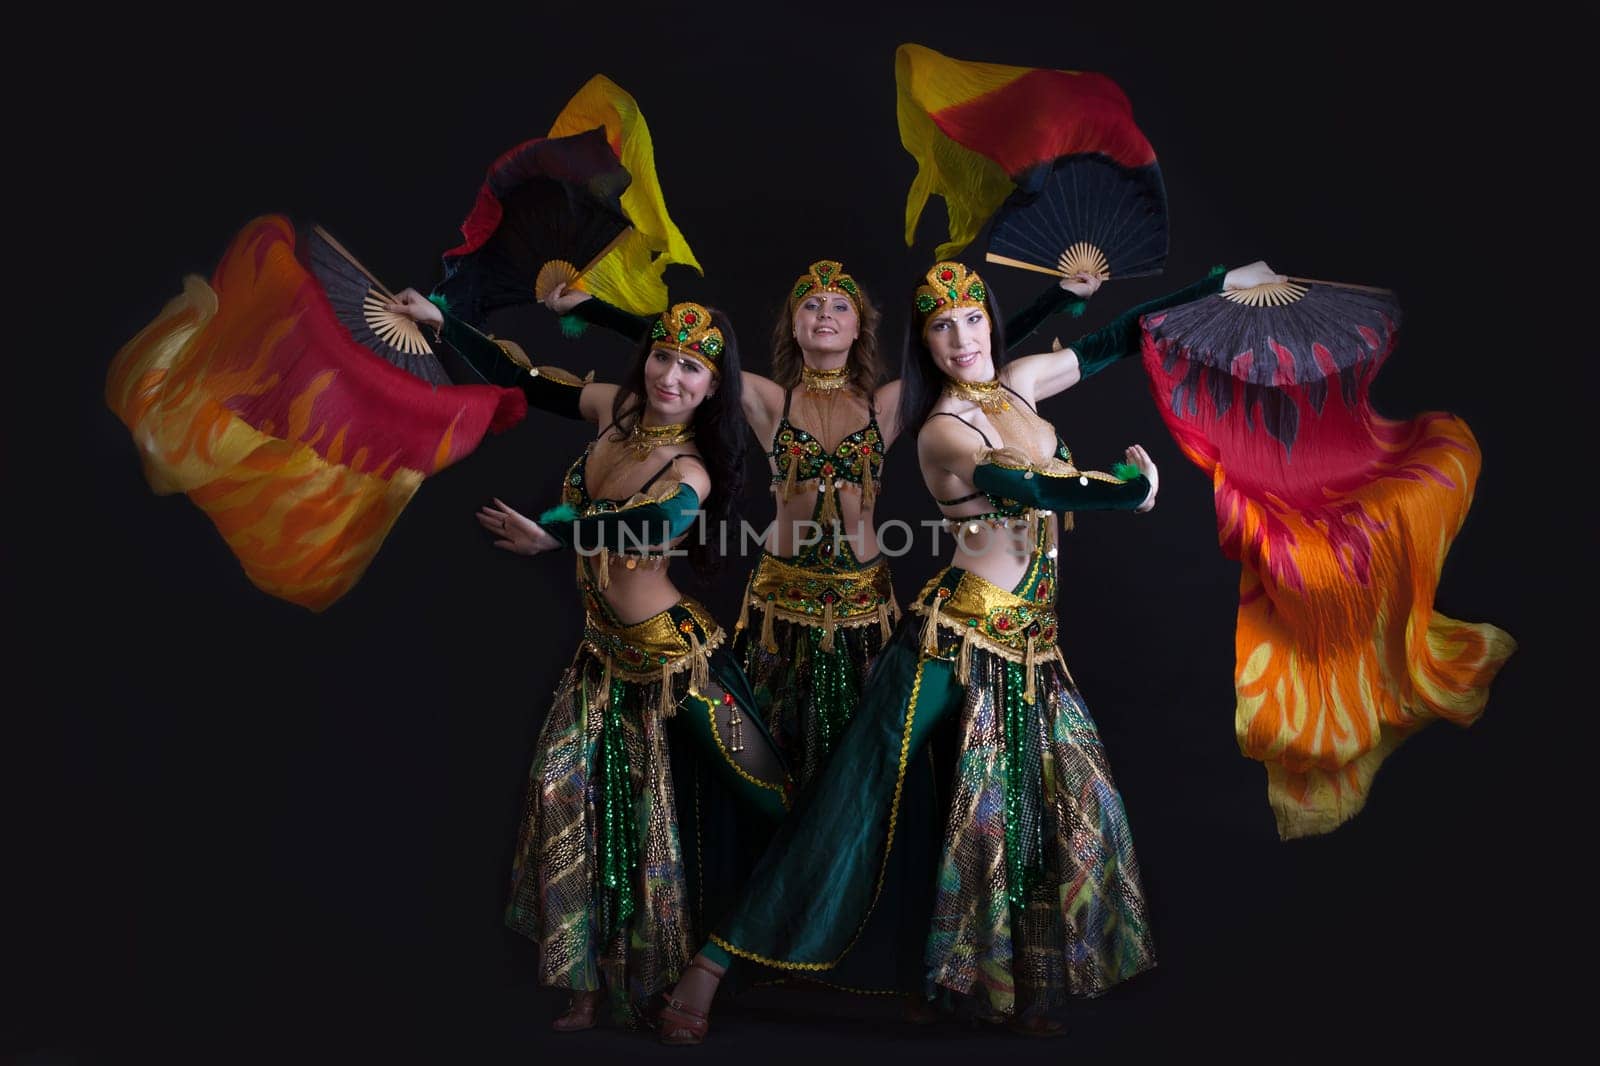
(883, 620)
(1027, 665)
(768, 641)
(699, 670)
(869, 487)
(789, 481)
(826, 643)
(1066, 520)
(830, 502)
(603, 575)
(930, 627)
(744, 606)
(964, 660)
(668, 708)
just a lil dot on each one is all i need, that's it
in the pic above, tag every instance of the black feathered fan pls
(358, 300)
(1084, 214)
(549, 209)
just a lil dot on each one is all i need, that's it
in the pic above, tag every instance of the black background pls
(240, 830)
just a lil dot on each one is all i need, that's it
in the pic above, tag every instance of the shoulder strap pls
(1018, 395)
(964, 422)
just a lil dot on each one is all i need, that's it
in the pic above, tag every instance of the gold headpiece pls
(825, 275)
(950, 285)
(686, 328)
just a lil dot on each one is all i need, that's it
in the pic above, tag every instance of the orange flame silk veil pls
(1341, 527)
(301, 446)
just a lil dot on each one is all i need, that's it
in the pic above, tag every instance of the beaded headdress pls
(949, 285)
(686, 328)
(825, 275)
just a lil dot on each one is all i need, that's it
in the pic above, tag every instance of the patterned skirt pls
(808, 647)
(611, 863)
(1035, 894)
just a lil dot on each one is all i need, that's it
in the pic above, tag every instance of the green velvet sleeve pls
(1056, 492)
(559, 397)
(1052, 301)
(1106, 345)
(631, 529)
(596, 312)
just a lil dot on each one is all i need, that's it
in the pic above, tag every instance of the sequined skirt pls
(603, 874)
(808, 638)
(1036, 893)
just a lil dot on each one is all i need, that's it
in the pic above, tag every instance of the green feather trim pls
(1217, 271)
(438, 300)
(1126, 471)
(572, 327)
(1079, 308)
(563, 513)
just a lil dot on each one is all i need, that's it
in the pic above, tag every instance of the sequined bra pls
(858, 456)
(575, 487)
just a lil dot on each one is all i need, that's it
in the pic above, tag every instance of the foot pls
(686, 1016)
(580, 1013)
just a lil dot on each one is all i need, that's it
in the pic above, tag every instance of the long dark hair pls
(719, 434)
(921, 381)
(865, 361)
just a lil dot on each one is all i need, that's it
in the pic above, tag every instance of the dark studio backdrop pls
(242, 830)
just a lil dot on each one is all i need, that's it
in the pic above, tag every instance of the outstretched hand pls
(515, 532)
(562, 299)
(1147, 466)
(1250, 275)
(1084, 285)
(417, 307)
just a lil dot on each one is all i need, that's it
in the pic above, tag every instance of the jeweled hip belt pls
(679, 638)
(819, 597)
(973, 611)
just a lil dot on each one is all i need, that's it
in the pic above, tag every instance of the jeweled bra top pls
(858, 455)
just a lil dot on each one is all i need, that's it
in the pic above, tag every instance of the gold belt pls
(817, 597)
(981, 613)
(680, 638)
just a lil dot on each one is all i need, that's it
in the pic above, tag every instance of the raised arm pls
(547, 388)
(1039, 377)
(579, 310)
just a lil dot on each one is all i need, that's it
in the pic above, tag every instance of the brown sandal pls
(678, 1023)
(580, 1013)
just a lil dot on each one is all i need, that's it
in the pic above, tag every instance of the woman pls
(820, 600)
(1037, 893)
(600, 879)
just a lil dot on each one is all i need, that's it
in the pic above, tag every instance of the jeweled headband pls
(950, 285)
(825, 275)
(686, 328)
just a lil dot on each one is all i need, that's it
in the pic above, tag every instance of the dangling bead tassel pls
(869, 486)
(699, 668)
(1063, 661)
(830, 503)
(768, 641)
(930, 626)
(1027, 667)
(789, 479)
(668, 704)
(735, 724)
(744, 606)
(883, 620)
(964, 660)
(1066, 520)
(827, 627)
(603, 578)
(603, 700)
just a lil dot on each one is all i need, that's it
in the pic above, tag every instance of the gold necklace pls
(986, 394)
(825, 380)
(643, 439)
